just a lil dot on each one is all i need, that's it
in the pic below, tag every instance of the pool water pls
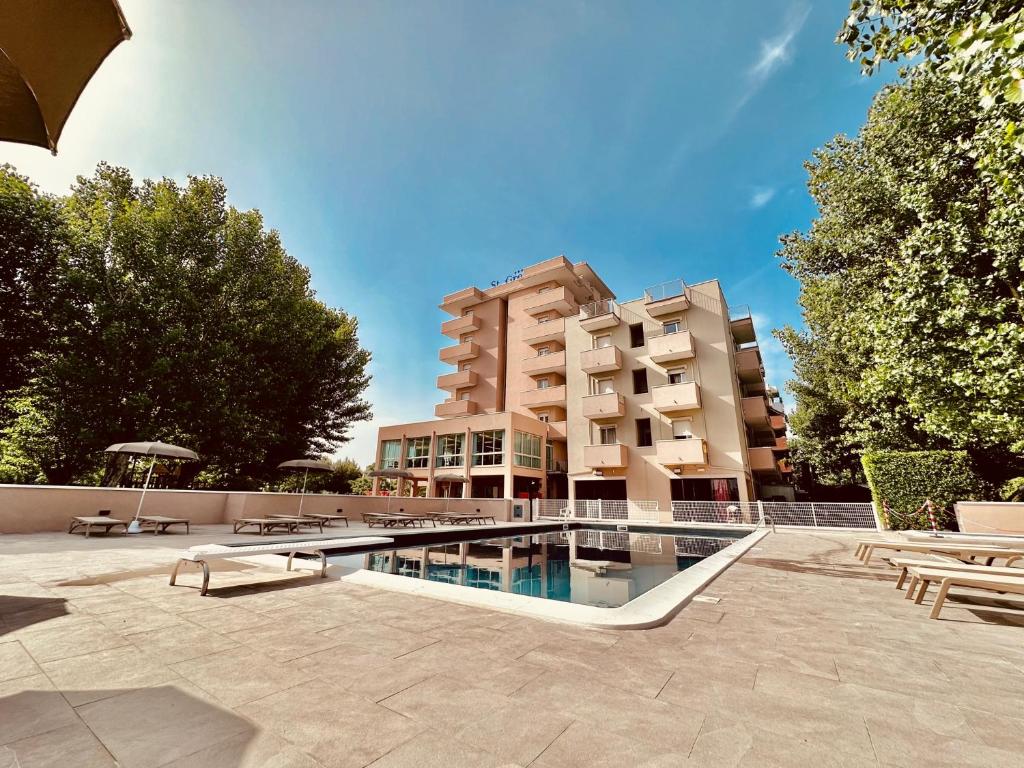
(595, 567)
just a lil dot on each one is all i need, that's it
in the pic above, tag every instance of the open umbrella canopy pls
(312, 464)
(392, 473)
(164, 450)
(49, 50)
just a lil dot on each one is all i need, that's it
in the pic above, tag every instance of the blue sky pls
(406, 150)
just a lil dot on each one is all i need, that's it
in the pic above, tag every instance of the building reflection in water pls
(590, 567)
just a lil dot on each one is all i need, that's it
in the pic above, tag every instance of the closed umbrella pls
(49, 50)
(305, 465)
(155, 450)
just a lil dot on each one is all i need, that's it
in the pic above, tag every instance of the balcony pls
(755, 412)
(782, 443)
(678, 453)
(538, 333)
(558, 430)
(548, 397)
(599, 315)
(457, 326)
(456, 303)
(666, 299)
(748, 365)
(785, 466)
(451, 408)
(669, 347)
(608, 405)
(778, 422)
(457, 380)
(762, 460)
(742, 324)
(612, 456)
(676, 398)
(553, 362)
(467, 350)
(600, 360)
(558, 300)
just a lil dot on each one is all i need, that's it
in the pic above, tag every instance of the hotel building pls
(559, 391)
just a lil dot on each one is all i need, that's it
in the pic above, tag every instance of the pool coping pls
(651, 609)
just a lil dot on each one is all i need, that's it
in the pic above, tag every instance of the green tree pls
(911, 278)
(181, 318)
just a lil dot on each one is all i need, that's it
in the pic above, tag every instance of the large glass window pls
(390, 453)
(417, 452)
(450, 451)
(527, 450)
(489, 448)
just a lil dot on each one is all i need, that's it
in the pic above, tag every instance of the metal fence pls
(596, 509)
(810, 514)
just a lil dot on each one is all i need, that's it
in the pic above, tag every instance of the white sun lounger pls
(867, 547)
(906, 565)
(203, 554)
(974, 580)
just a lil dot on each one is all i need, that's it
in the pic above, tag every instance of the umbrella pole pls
(135, 527)
(302, 496)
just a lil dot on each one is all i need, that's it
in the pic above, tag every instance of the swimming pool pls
(586, 566)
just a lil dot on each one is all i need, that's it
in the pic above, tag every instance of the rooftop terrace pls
(807, 658)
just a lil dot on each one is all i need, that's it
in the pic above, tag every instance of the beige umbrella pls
(153, 449)
(305, 465)
(49, 49)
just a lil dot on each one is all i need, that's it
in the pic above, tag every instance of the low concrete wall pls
(990, 516)
(38, 508)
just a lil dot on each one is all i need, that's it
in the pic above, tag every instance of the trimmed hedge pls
(906, 478)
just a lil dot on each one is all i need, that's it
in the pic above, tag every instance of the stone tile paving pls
(808, 659)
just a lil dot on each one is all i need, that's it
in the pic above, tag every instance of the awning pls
(450, 478)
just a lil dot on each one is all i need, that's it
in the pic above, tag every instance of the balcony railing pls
(598, 315)
(543, 397)
(666, 290)
(739, 312)
(597, 456)
(676, 398)
(667, 347)
(678, 453)
(450, 408)
(537, 333)
(607, 405)
(600, 360)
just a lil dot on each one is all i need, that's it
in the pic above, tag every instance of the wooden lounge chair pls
(906, 565)
(972, 579)
(160, 524)
(394, 519)
(101, 520)
(305, 520)
(328, 519)
(202, 555)
(266, 524)
(451, 518)
(964, 552)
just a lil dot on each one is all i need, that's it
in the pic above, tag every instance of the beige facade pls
(661, 398)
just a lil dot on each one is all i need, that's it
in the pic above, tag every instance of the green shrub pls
(905, 479)
(1012, 490)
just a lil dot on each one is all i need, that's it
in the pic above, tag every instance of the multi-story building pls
(562, 392)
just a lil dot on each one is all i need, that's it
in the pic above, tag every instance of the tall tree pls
(182, 318)
(911, 279)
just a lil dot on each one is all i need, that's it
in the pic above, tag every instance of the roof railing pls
(598, 308)
(666, 290)
(739, 312)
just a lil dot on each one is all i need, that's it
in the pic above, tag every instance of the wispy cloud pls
(761, 197)
(775, 52)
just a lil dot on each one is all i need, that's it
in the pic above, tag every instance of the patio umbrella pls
(162, 450)
(305, 465)
(49, 49)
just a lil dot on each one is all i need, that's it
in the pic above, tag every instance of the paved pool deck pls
(807, 659)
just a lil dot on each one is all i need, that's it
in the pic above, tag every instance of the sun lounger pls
(394, 519)
(451, 518)
(96, 521)
(305, 520)
(202, 555)
(964, 552)
(160, 524)
(266, 524)
(973, 579)
(328, 519)
(906, 566)
(981, 540)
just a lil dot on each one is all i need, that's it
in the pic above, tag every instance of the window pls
(643, 432)
(489, 448)
(467, 313)
(603, 386)
(466, 338)
(450, 451)
(417, 452)
(544, 319)
(682, 429)
(467, 366)
(672, 326)
(549, 456)
(545, 289)
(545, 350)
(640, 381)
(600, 342)
(464, 395)
(543, 383)
(677, 375)
(636, 335)
(544, 416)
(390, 453)
(527, 450)
(608, 436)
